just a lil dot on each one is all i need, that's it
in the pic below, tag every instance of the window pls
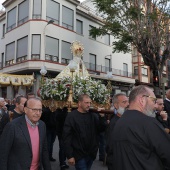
(67, 18)
(3, 30)
(136, 70)
(23, 12)
(36, 47)
(22, 49)
(10, 53)
(79, 27)
(107, 64)
(37, 5)
(65, 51)
(107, 39)
(2, 60)
(53, 11)
(11, 19)
(134, 52)
(52, 49)
(144, 71)
(92, 62)
(125, 69)
(90, 27)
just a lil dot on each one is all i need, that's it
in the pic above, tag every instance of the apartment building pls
(37, 33)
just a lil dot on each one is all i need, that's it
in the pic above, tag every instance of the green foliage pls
(138, 23)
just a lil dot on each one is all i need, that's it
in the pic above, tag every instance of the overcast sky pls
(1, 1)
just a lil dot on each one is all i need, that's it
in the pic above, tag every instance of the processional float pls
(63, 90)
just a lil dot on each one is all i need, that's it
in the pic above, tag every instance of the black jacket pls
(80, 134)
(167, 107)
(4, 119)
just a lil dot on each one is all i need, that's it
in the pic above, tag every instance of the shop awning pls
(16, 80)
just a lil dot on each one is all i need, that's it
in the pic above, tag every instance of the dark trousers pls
(62, 155)
(51, 135)
(84, 163)
(102, 145)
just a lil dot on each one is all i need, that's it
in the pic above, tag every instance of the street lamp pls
(109, 76)
(43, 72)
(72, 66)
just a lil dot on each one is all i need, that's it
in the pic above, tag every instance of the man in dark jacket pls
(161, 115)
(80, 134)
(19, 107)
(4, 116)
(167, 102)
(120, 102)
(139, 140)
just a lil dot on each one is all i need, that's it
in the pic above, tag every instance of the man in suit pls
(23, 142)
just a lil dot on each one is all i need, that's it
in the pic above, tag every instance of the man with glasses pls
(23, 142)
(139, 140)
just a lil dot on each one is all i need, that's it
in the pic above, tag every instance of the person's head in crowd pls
(120, 102)
(30, 95)
(160, 103)
(33, 109)
(143, 99)
(2, 102)
(84, 103)
(168, 94)
(19, 104)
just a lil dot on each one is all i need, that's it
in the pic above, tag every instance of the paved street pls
(97, 165)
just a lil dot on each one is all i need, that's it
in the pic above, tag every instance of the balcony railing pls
(100, 68)
(70, 27)
(20, 59)
(51, 58)
(11, 27)
(36, 16)
(55, 20)
(9, 62)
(65, 61)
(23, 20)
(35, 56)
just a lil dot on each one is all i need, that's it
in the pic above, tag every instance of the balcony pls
(35, 56)
(36, 16)
(9, 62)
(53, 19)
(51, 58)
(23, 21)
(100, 68)
(20, 59)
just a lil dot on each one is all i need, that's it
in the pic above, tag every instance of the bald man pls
(139, 140)
(23, 142)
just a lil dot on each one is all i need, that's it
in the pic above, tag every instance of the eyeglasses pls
(152, 98)
(34, 110)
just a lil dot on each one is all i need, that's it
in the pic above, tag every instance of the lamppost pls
(109, 76)
(72, 66)
(49, 22)
(43, 72)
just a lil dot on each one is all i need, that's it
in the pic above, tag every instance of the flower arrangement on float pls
(63, 91)
(55, 93)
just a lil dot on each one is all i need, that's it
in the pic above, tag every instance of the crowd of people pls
(136, 136)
